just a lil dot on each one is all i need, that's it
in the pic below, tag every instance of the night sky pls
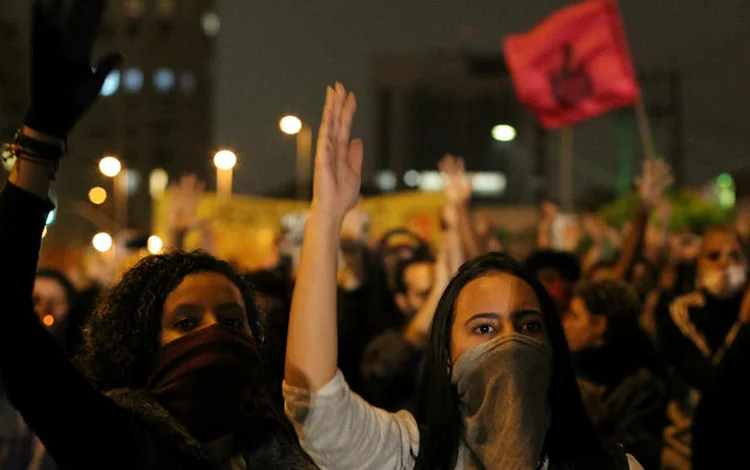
(276, 56)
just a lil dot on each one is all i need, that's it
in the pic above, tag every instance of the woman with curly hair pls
(171, 364)
(617, 368)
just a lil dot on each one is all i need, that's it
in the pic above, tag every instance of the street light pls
(111, 167)
(102, 242)
(504, 133)
(97, 195)
(154, 245)
(224, 161)
(292, 125)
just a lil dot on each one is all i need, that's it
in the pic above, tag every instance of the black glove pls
(63, 85)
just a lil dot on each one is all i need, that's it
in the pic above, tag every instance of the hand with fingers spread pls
(456, 186)
(338, 160)
(657, 177)
(63, 85)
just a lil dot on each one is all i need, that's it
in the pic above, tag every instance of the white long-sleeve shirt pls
(341, 431)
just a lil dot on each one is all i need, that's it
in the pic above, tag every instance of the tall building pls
(453, 101)
(154, 112)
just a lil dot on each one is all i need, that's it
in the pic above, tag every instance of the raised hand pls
(456, 186)
(338, 161)
(657, 177)
(63, 85)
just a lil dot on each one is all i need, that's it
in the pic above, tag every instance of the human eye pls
(484, 329)
(185, 324)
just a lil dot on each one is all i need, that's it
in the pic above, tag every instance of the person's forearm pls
(543, 241)
(31, 176)
(311, 354)
(456, 255)
(466, 230)
(633, 245)
(418, 328)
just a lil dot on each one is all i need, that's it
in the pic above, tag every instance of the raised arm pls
(311, 355)
(651, 186)
(87, 429)
(457, 188)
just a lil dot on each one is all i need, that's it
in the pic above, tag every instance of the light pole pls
(224, 161)
(292, 125)
(111, 167)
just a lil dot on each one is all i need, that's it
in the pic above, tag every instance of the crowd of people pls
(625, 352)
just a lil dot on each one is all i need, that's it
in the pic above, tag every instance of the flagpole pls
(566, 168)
(644, 130)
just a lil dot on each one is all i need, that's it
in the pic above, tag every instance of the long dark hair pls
(571, 440)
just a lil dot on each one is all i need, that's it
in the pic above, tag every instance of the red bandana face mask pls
(561, 292)
(208, 381)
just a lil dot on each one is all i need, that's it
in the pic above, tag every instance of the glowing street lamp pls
(110, 166)
(154, 245)
(504, 133)
(97, 195)
(224, 161)
(292, 125)
(102, 242)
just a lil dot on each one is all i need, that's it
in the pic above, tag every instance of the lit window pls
(412, 178)
(211, 23)
(111, 83)
(134, 7)
(188, 82)
(164, 79)
(133, 80)
(386, 180)
(165, 8)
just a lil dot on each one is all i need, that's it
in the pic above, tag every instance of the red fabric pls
(596, 76)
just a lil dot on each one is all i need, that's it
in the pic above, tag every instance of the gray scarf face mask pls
(503, 388)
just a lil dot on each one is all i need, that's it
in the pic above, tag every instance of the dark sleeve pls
(390, 367)
(78, 425)
(633, 245)
(636, 416)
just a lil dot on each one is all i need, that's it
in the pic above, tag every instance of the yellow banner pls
(245, 229)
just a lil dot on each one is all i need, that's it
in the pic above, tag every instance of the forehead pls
(204, 288)
(418, 269)
(499, 293)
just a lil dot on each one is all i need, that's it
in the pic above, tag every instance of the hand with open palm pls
(656, 178)
(456, 186)
(338, 160)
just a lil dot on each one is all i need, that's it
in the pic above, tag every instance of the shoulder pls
(633, 463)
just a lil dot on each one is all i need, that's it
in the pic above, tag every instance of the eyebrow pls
(496, 316)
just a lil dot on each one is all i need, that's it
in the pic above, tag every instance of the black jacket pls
(709, 352)
(79, 426)
(626, 399)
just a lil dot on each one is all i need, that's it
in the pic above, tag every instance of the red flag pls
(573, 66)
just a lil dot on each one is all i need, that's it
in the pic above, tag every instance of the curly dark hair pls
(121, 338)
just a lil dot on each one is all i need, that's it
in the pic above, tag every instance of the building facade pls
(155, 112)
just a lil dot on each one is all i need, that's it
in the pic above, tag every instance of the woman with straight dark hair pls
(498, 390)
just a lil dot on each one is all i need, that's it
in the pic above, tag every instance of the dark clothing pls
(626, 399)
(708, 350)
(390, 370)
(79, 426)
